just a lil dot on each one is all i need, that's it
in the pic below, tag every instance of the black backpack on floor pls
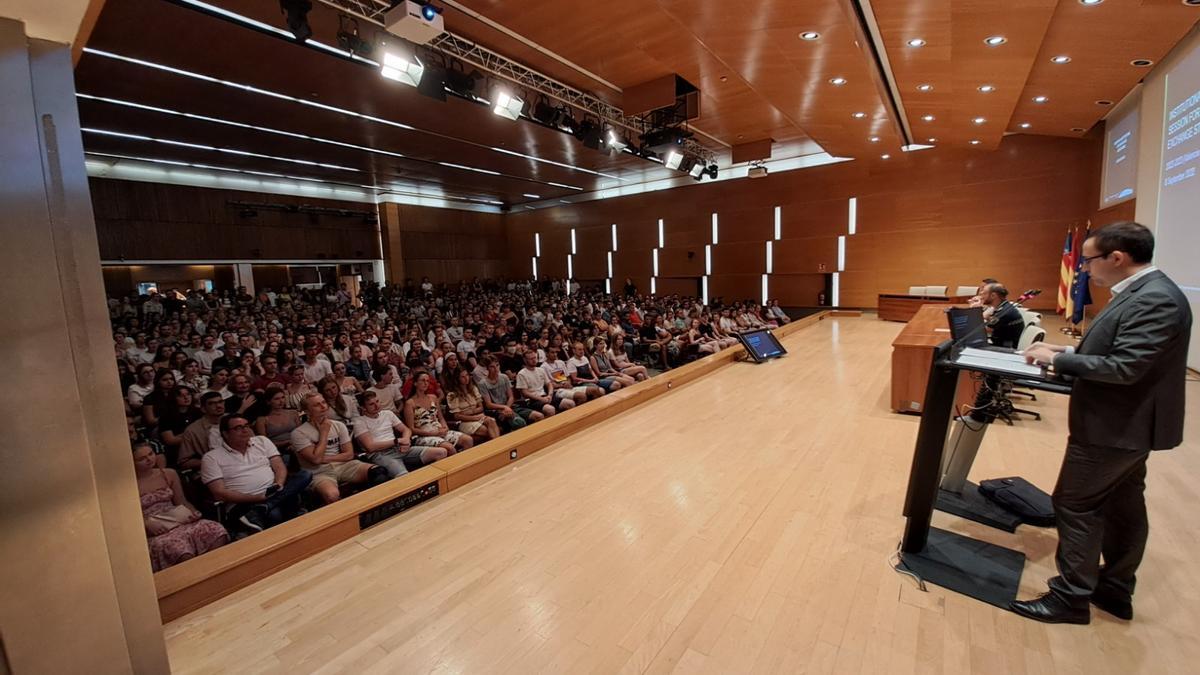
(1020, 497)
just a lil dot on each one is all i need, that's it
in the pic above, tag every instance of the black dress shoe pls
(1050, 608)
(1122, 609)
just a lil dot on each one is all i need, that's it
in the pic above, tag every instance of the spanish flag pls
(1066, 274)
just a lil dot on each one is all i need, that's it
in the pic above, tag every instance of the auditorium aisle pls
(740, 524)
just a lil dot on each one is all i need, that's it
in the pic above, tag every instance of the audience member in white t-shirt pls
(579, 370)
(556, 371)
(385, 439)
(535, 387)
(323, 447)
(139, 389)
(315, 369)
(246, 471)
(386, 388)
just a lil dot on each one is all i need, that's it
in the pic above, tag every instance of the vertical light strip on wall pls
(573, 251)
(704, 290)
(610, 263)
(660, 232)
(614, 236)
(778, 222)
(534, 268)
(537, 243)
(570, 268)
(655, 262)
(608, 286)
(653, 286)
(708, 259)
(841, 253)
(853, 215)
(714, 228)
(764, 289)
(770, 258)
(837, 301)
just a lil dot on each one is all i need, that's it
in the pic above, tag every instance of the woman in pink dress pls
(174, 534)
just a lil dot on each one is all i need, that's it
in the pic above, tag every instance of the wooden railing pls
(199, 581)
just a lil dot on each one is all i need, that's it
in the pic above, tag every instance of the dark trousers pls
(1100, 508)
(281, 506)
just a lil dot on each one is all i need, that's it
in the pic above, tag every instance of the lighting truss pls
(532, 81)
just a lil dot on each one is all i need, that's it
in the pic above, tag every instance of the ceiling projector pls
(417, 22)
(757, 171)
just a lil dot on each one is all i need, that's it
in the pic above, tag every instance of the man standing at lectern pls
(1126, 399)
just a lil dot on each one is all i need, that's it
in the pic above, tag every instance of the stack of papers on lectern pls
(1005, 362)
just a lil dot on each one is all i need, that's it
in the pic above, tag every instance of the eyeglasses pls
(240, 426)
(1089, 258)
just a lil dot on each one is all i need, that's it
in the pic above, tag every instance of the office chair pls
(966, 291)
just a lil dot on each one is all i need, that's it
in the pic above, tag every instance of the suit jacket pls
(1128, 371)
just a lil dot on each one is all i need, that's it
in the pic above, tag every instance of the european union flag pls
(1081, 294)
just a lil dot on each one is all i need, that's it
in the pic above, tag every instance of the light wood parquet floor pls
(740, 524)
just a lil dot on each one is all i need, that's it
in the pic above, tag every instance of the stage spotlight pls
(296, 12)
(544, 112)
(672, 160)
(433, 83)
(566, 121)
(687, 164)
(401, 66)
(591, 134)
(711, 171)
(697, 171)
(463, 84)
(506, 104)
(615, 142)
(349, 38)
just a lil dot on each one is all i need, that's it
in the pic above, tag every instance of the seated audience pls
(537, 391)
(198, 437)
(279, 421)
(247, 472)
(579, 371)
(423, 414)
(175, 530)
(385, 441)
(498, 399)
(342, 407)
(465, 403)
(323, 446)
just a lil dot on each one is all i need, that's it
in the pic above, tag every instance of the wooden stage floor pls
(740, 524)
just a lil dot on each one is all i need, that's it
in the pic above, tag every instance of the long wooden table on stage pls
(912, 354)
(902, 307)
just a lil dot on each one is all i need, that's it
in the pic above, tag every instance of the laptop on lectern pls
(967, 327)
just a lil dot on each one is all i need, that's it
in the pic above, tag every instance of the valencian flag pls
(1064, 274)
(1081, 294)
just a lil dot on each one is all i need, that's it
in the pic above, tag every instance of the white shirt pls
(135, 394)
(205, 358)
(306, 436)
(380, 428)
(532, 381)
(316, 371)
(1128, 281)
(249, 473)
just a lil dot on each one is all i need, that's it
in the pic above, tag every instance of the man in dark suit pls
(1127, 396)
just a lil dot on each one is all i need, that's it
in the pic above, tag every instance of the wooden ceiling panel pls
(1101, 40)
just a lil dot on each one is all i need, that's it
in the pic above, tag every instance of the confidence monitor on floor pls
(761, 345)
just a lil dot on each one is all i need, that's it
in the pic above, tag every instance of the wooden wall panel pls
(150, 221)
(686, 286)
(744, 257)
(735, 287)
(954, 214)
(807, 256)
(796, 290)
(448, 245)
(681, 262)
(591, 263)
(827, 217)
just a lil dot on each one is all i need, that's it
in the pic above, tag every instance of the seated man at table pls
(246, 471)
(1005, 323)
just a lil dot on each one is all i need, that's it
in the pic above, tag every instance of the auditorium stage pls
(740, 524)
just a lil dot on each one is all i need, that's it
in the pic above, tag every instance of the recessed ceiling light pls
(874, 139)
(995, 40)
(916, 42)
(933, 140)
(1040, 99)
(979, 120)
(974, 141)
(858, 115)
(810, 35)
(928, 118)
(924, 87)
(532, 196)
(1061, 58)
(885, 156)
(1078, 130)
(1025, 125)
(1090, 2)
(837, 81)
(1104, 101)
(1191, 3)
(987, 88)
(1141, 63)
